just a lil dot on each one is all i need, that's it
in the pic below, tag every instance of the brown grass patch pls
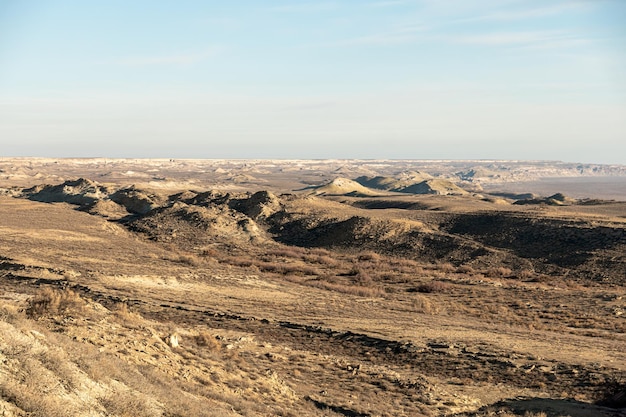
(126, 316)
(525, 274)
(499, 272)
(433, 287)
(369, 256)
(446, 267)
(288, 252)
(465, 269)
(126, 404)
(50, 302)
(423, 305)
(347, 289)
(207, 341)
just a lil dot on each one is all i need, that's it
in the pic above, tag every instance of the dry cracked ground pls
(124, 301)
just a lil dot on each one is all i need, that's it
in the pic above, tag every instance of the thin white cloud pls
(413, 28)
(421, 32)
(439, 8)
(222, 22)
(560, 43)
(400, 35)
(310, 7)
(414, 34)
(380, 39)
(389, 3)
(184, 59)
(529, 13)
(522, 38)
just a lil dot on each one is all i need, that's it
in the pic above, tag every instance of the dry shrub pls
(354, 271)
(99, 366)
(126, 404)
(297, 279)
(237, 261)
(35, 403)
(289, 252)
(275, 267)
(348, 289)
(309, 270)
(209, 253)
(9, 313)
(321, 259)
(503, 313)
(535, 324)
(57, 361)
(185, 259)
(498, 272)
(190, 260)
(363, 279)
(433, 287)
(206, 340)
(369, 256)
(465, 269)
(403, 262)
(525, 274)
(405, 266)
(320, 252)
(423, 305)
(573, 285)
(125, 315)
(287, 268)
(446, 267)
(42, 381)
(331, 278)
(49, 302)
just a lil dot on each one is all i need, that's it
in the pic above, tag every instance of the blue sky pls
(414, 79)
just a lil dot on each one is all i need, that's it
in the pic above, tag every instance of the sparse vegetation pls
(208, 341)
(423, 305)
(498, 272)
(51, 302)
(433, 287)
(357, 290)
(308, 306)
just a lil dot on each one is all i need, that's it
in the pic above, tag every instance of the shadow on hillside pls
(549, 406)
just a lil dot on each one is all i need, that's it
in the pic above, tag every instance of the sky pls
(369, 79)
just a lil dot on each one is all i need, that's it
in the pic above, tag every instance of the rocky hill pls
(499, 236)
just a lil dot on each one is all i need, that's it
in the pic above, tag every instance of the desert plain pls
(311, 288)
